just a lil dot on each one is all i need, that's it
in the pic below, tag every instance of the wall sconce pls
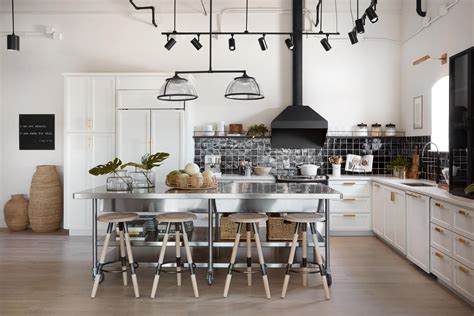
(443, 59)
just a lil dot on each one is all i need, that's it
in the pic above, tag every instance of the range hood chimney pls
(298, 126)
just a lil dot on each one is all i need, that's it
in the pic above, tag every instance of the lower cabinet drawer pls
(442, 266)
(351, 187)
(351, 204)
(463, 280)
(463, 250)
(351, 221)
(442, 239)
(464, 222)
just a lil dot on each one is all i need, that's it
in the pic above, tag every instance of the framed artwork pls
(36, 131)
(418, 112)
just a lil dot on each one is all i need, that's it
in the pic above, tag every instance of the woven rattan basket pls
(228, 229)
(16, 213)
(277, 229)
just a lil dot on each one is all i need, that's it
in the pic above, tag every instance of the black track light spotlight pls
(170, 42)
(196, 43)
(232, 43)
(13, 42)
(353, 36)
(289, 43)
(325, 43)
(263, 43)
(371, 14)
(360, 25)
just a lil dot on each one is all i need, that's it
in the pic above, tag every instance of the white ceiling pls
(40, 6)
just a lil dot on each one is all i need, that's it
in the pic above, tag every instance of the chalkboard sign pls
(36, 131)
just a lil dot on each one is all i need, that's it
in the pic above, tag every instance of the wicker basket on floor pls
(277, 229)
(228, 229)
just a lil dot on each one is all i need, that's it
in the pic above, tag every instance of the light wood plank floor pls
(49, 275)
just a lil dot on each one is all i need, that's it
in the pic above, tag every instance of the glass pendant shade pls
(244, 88)
(177, 89)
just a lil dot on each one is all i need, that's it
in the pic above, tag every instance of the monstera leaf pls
(469, 189)
(148, 161)
(109, 167)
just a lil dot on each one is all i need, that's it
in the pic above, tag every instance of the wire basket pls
(191, 183)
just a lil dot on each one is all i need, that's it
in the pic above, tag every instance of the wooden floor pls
(49, 275)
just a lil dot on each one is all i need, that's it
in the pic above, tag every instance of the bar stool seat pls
(176, 217)
(120, 220)
(250, 220)
(305, 219)
(117, 217)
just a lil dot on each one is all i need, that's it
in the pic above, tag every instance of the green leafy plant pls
(148, 162)
(469, 189)
(257, 130)
(108, 168)
(398, 162)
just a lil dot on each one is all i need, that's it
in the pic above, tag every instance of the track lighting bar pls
(249, 33)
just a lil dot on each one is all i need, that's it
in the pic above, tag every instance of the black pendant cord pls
(246, 16)
(13, 17)
(210, 36)
(174, 17)
(357, 9)
(321, 17)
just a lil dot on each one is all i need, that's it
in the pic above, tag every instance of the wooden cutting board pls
(415, 163)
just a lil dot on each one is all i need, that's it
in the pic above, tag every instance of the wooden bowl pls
(262, 171)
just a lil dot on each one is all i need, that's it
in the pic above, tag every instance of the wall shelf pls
(342, 134)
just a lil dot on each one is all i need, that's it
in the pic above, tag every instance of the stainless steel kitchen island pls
(228, 196)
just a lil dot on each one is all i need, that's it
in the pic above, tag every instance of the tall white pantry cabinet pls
(114, 115)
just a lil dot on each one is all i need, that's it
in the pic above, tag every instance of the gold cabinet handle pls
(439, 205)
(439, 230)
(414, 195)
(439, 255)
(463, 212)
(392, 196)
(464, 269)
(463, 241)
(348, 183)
(349, 215)
(349, 199)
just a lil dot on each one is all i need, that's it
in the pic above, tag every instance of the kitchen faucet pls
(438, 161)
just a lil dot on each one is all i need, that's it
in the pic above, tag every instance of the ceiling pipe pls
(419, 10)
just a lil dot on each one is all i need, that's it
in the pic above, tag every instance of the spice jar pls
(376, 130)
(362, 130)
(390, 130)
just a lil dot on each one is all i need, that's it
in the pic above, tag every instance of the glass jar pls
(143, 179)
(376, 130)
(362, 130)
(119, 181)
(390, 130)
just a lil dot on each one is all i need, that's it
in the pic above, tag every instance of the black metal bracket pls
(146, 8)
(419, 10)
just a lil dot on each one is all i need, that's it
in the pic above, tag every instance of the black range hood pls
(298, 126)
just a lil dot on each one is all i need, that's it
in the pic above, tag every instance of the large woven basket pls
(228, 229)
(278, 229)
(16, 213)
(46, 204)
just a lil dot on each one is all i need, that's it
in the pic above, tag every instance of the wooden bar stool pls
(304, 219)
(251, 220)
(178, 220)
(120, 219)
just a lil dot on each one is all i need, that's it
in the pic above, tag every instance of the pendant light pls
(244, 88)
(177, 88)
(13, 41)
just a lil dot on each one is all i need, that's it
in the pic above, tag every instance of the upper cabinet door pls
(144, 99)
(103, 104)
(133, 134)
(77, 95)
(167, 135)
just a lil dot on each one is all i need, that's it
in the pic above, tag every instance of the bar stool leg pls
(232, 259)
(178, 254)
(290, 261)
(190, 260)
(249, 254)
(263, 267)
(102, 260)
(319, 260)
(130, 261)
(123, 256)
(304, 260)
(160, 261)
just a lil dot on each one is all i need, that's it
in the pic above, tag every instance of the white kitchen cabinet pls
(442, 266)
(144, 99)
(463, 280)
(89, 104)
(463, 250)
(464, 222)
(82, 152)
(378, 209)
(133, 134)
(418, 229)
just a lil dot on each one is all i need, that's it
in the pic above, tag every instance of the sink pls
(417, 184)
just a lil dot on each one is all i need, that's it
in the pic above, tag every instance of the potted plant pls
(469, 189)
(257, 130)
(119, 181)
(398, 166)
(143, 177)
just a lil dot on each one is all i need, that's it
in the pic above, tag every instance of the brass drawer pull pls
(463, 212)
(439, 255)
(348, 183)
(414, 195)
(349, 199)
(392, 196)
(463, 241)
(439, 230)
(439, 205)
(464, 269)
(349, 215)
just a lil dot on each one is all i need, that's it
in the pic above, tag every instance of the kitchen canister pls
(16, 213)
(45, 209)
(361, 130)
(390, 130)
(336, 170)
(376, 130)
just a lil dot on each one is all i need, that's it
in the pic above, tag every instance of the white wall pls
(450, 34)
(347, 85)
